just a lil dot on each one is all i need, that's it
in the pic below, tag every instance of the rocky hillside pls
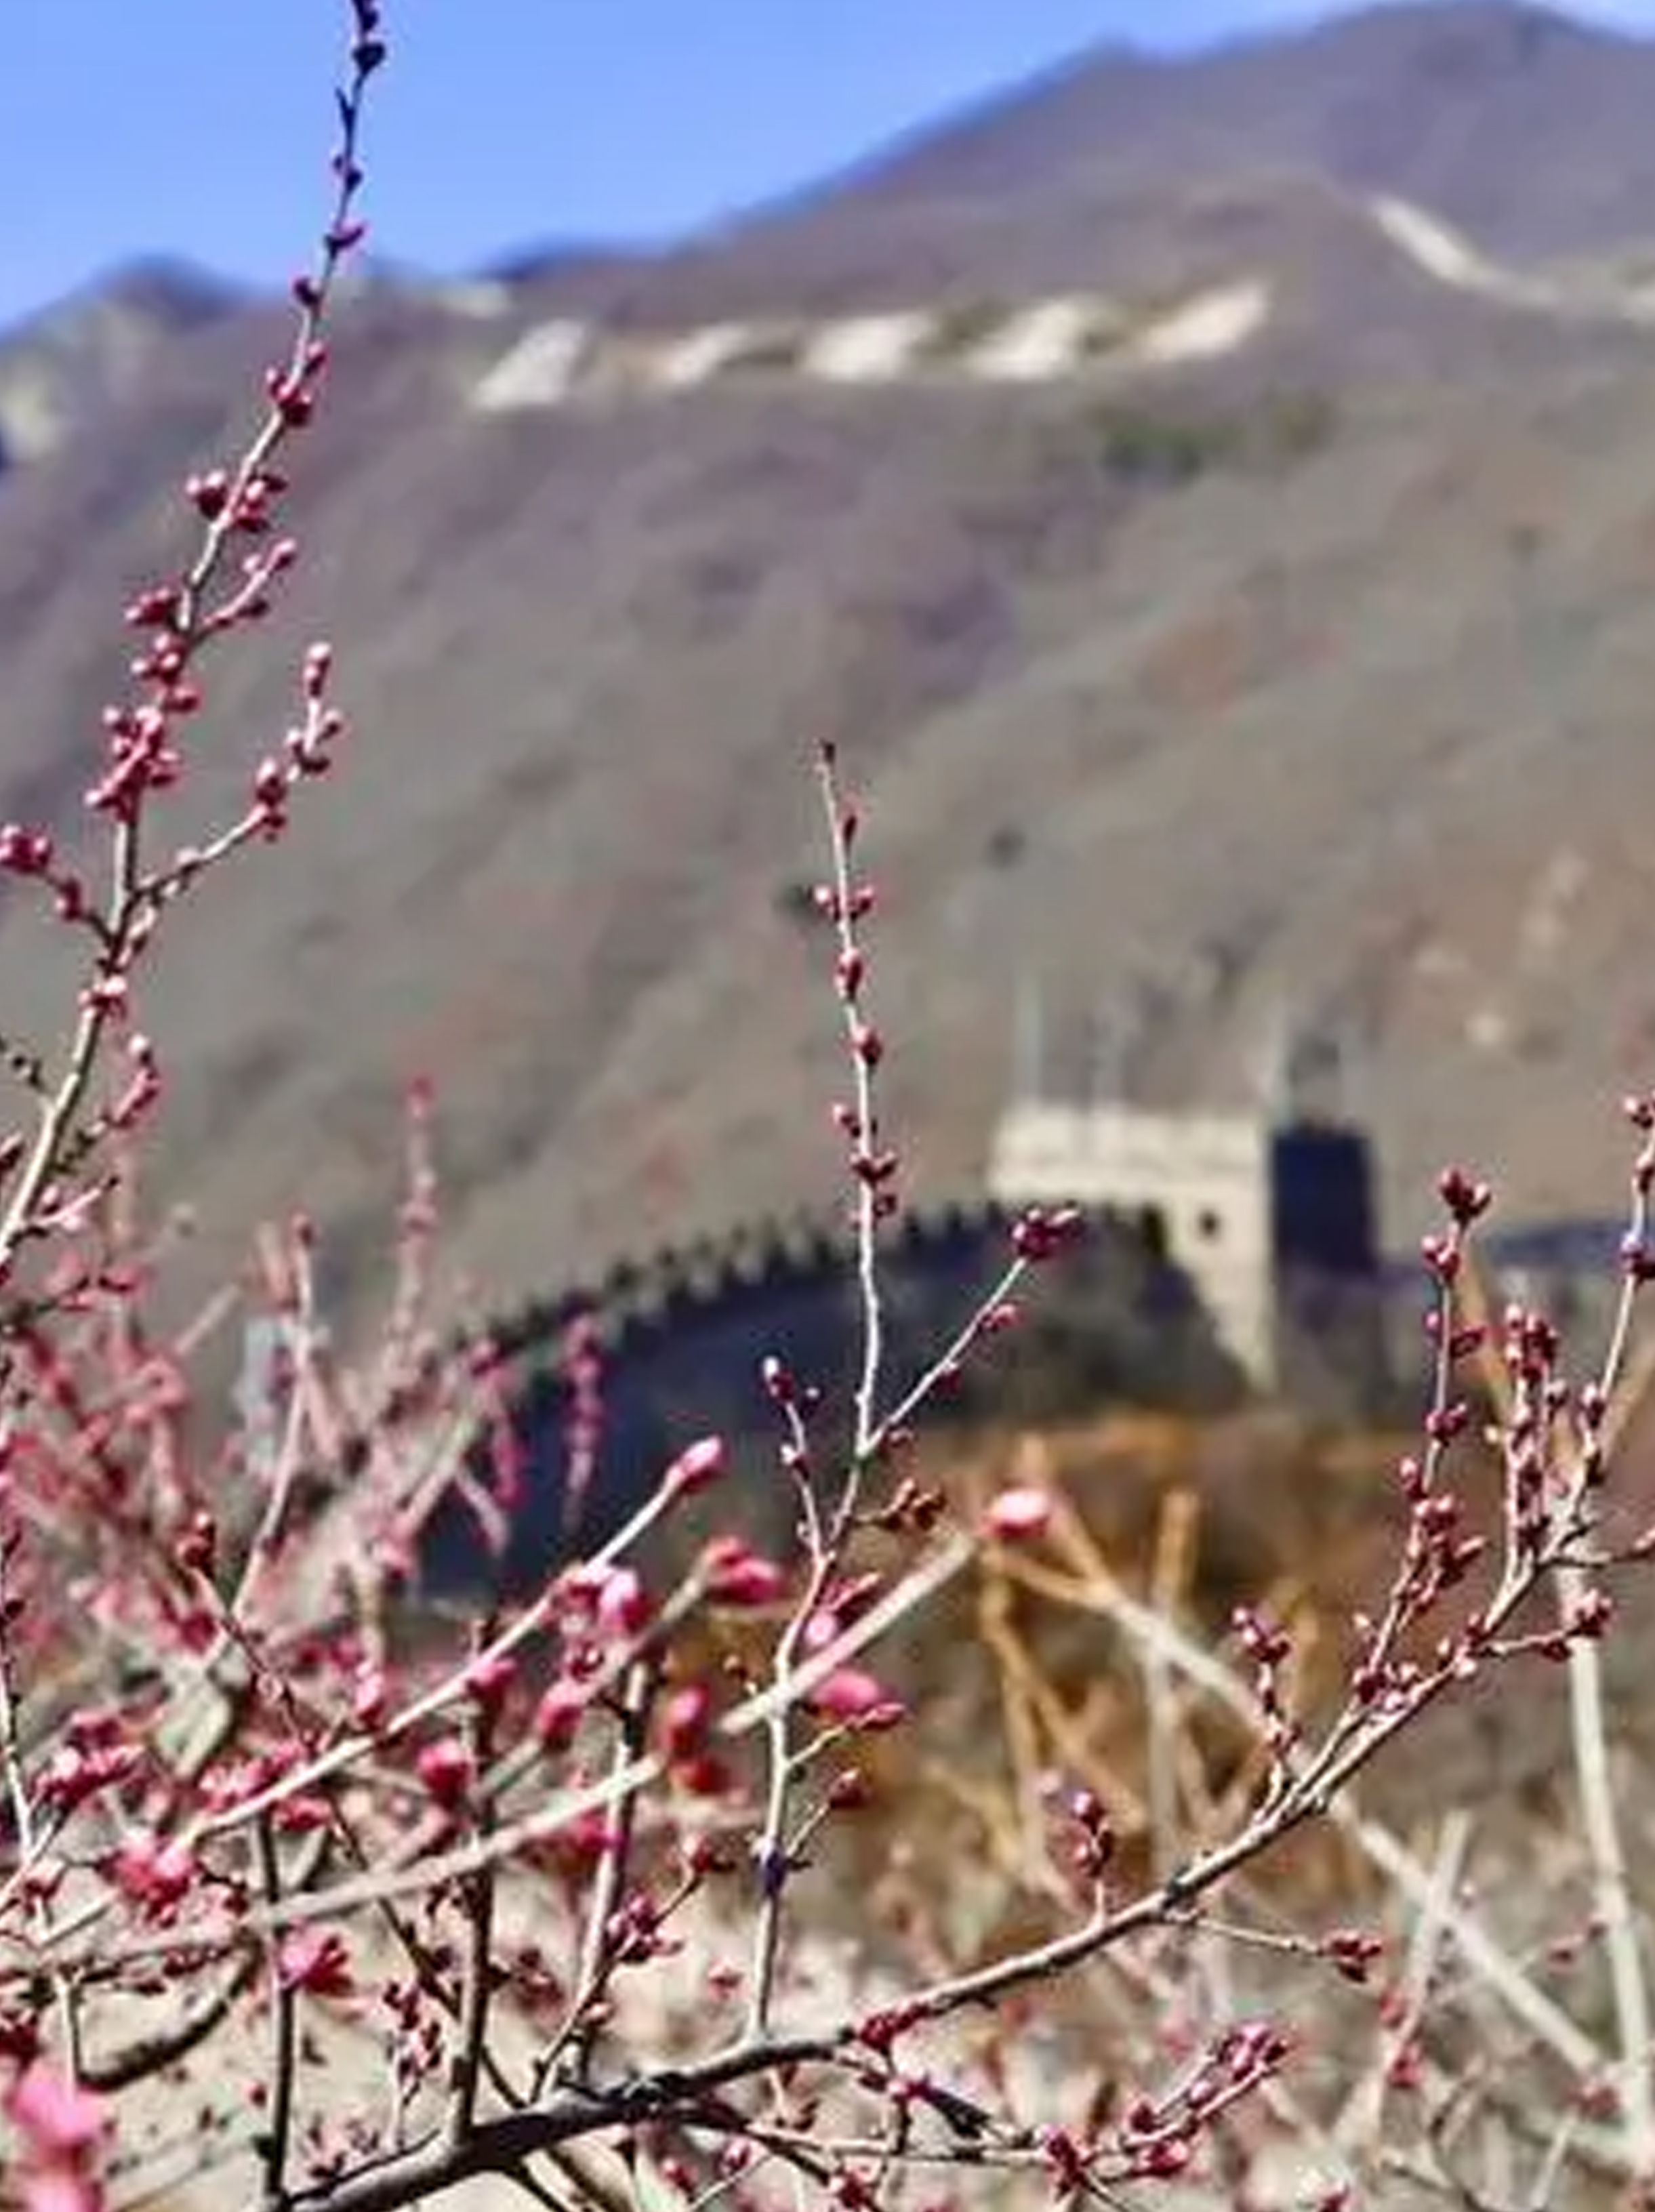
(1311, 682)
(70, 366)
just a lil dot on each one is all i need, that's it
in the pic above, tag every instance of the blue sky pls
(196, 127)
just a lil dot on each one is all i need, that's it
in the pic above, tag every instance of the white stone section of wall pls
(1207, 1177)
(1042, 341)
(1433, 246)
(1445, 254)
(868, 349)
(1206, 328)
(1045, 342)
(541, 369)
(34, 418)
(703, 355)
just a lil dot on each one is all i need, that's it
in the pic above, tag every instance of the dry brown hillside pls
(1360, 728)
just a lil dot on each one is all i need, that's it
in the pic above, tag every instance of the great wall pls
(1227, 1255)
(1228, 1252)
(566, 360)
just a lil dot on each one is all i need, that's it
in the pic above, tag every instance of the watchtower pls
(1272, 1212)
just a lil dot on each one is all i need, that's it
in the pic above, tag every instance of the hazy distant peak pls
(59, 367)
(164, 291)
(1518, 121)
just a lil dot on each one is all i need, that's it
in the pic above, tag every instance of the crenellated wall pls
(1057, 339)
(564, 361)
(681, 1337)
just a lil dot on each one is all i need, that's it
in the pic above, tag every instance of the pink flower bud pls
(317, 1960)
(1465, 1197)
(694, 1468)
(704, 1775)
(684, 1721)
(558, 1715)
(1019, 1512)
(489, 1679)
(622, 1606)
(57, 2118)
(155, 1873)
(1040, 1232)
(738, 1577)
(446, 1769)
(208, 492)
(858, 1699)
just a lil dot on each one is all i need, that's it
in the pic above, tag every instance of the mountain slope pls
(1518, 125)
(1518, 122)
(1193, 731)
